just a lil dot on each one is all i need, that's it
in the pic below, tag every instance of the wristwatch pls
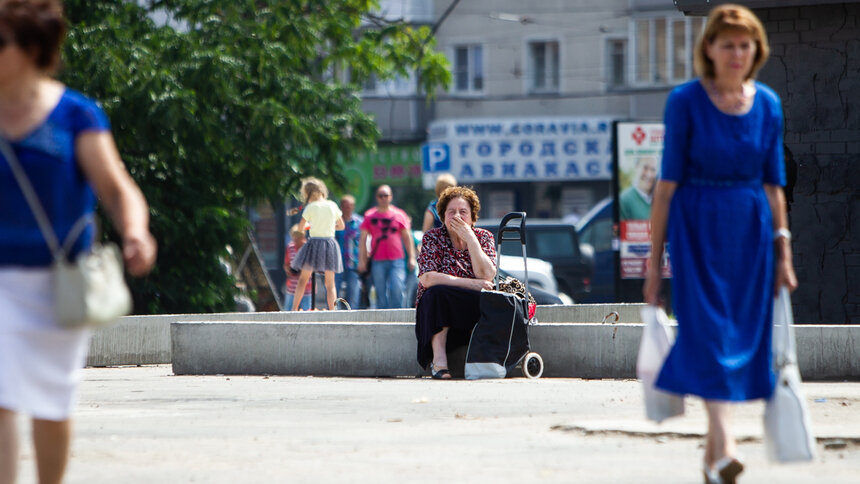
(782, 232)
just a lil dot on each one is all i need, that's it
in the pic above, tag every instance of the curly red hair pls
(466, 194)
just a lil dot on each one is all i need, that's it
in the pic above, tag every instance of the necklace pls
(733, 102)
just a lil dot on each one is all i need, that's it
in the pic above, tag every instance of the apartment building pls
(536, 88)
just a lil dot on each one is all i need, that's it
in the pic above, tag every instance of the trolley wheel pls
(533, 366)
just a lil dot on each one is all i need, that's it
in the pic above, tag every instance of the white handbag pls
(787, 429)
(657, 339)
(89, 291)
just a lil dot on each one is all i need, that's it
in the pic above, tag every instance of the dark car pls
(595, 237)
(557, 243)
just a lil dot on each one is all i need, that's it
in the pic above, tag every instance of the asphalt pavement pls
(146, 425)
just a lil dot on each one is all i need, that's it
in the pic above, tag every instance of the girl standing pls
(321, 252)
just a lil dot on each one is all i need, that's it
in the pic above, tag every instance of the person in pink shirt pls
(389, 229)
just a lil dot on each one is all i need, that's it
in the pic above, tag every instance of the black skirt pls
(445, 306)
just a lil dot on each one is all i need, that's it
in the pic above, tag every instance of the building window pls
(398, 86)
(544, 66)
(662, 50)
(469, 68)
(617, 62)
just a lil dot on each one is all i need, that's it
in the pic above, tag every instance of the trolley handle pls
(520, 230)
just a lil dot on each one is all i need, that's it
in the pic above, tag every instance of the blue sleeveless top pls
(47, 154)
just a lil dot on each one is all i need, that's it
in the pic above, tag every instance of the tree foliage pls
(228, 105)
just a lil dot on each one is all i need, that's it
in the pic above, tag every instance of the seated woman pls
(457, 261)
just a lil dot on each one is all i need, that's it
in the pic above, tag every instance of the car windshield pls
(552, 243)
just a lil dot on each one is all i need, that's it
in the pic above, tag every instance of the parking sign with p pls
(436, 157)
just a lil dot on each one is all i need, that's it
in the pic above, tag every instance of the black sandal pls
(439, 373)
(728, 469)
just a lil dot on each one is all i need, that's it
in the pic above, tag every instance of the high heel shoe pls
(725, 471)
(439, 373)
(728, 468)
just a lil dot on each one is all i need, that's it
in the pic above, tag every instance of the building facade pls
(536, 87)
(551, 65)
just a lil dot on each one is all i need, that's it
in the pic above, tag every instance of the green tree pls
(229, 108)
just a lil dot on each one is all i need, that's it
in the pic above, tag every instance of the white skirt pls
(40, 362)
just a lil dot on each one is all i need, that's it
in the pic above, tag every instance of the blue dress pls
(720, 242)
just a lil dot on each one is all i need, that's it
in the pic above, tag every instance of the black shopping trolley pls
(500, 340)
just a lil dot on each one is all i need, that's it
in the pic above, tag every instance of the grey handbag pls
(89, 291)
(787, 428)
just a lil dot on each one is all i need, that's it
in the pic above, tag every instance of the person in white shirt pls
(321, 253)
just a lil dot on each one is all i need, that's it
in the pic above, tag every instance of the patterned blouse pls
(439, 255)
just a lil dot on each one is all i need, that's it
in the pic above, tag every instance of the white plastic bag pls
(787, 428)
(657, 339)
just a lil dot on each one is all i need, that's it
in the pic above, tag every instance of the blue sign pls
(519, 149)
(436, 157)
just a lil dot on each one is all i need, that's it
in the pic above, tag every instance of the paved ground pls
(145, 425)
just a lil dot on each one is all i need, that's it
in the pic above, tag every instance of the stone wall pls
(815, 68)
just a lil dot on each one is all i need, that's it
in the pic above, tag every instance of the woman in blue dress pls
(720, 206)
(63, 143)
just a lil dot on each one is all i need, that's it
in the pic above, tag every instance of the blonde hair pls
(312, 186)
(444, 181)
(296, 231)
(724, 18)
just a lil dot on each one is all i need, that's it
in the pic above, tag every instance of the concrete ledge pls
(145, 340)
(134, 340)
(289, 348)
(587, 350)
(828, 352)
(583, 350)
(382, 343)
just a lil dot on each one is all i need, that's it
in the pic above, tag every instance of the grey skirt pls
(319, 255)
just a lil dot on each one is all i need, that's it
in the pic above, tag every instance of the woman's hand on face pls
(462, 229)
(139, 253)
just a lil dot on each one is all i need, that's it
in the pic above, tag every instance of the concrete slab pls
(290, 348)
(382, 343)
(569, 350)
(145, 425)
(141, 340)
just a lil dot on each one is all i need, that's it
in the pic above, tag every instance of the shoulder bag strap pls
(34, 203)
(373, 249)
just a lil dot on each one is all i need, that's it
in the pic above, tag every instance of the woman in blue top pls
(432, 219)
(63, 142)
(720, 206)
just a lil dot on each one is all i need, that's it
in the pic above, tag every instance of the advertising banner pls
(483, 150)
(390, 165)
(639, 150)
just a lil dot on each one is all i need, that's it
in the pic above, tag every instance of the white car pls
(540, 272)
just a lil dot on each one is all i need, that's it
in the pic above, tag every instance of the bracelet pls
(780, 233)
